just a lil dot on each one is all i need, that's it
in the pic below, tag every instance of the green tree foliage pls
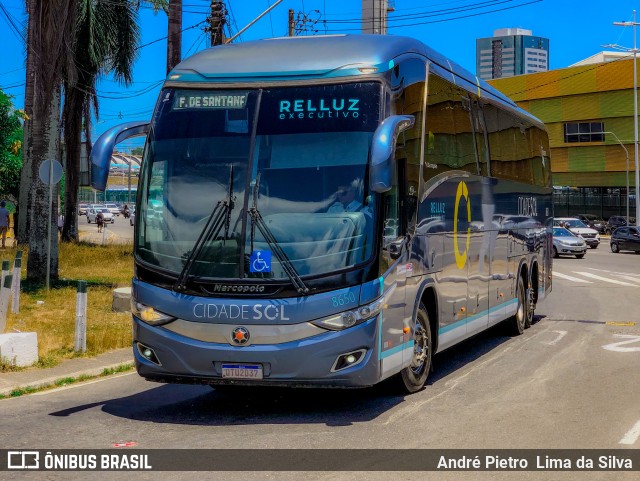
(10, 147)
(105, 41)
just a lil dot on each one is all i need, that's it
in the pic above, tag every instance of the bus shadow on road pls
(460, 355)
(207, 406)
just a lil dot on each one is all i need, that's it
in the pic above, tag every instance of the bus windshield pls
(252, 183)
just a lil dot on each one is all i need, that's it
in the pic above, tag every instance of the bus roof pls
(313, 57)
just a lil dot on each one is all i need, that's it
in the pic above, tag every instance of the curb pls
(51, 381)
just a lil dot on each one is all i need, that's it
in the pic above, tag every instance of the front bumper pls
(570, 250)
(305, 362)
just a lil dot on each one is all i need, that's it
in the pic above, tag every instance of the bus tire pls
(413, 377)
(530, 307)
(516, 323)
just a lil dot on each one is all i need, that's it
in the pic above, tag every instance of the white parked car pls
(92, 213)
(113, 208)
(579, 228)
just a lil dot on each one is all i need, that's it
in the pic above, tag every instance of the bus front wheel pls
(413, 377)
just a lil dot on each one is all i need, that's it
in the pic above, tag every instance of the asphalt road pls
(571, 381)
(118, 232)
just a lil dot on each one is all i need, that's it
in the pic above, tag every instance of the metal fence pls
(567, 204)
(92, 196)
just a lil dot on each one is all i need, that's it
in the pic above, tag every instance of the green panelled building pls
(588, 111)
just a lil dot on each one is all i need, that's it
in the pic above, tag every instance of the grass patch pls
(7, 365)
(52, 315)
(65, 381)
(20, 392)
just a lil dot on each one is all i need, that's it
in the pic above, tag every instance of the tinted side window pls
(408, 84)
(450, 135)
(519, 150)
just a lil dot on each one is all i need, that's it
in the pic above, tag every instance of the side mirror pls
(102, 150)
(395, 248)
(383, 146)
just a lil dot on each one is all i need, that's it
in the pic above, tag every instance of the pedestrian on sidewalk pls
(60, 223)
(100, 221)
(4, 222)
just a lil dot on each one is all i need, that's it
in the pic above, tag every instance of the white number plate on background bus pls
(242, 371)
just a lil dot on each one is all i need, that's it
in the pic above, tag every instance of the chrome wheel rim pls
(420, 348)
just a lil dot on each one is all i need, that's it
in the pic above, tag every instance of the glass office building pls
(511, 51)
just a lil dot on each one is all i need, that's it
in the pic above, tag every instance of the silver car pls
(92, 213)
(566, 243)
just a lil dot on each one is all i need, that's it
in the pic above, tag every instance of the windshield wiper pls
(285, 262)
(220, 217)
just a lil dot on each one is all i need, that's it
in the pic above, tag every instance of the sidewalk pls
(95, 237)
(33, 377)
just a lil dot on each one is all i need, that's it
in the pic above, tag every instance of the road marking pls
(618, 323)
(561, 334)
(629, 278)
(570, 278)
(615, 346)
(605, 279)
(632, 435)
(632, 274)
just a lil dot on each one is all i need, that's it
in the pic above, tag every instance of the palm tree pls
(105, 41)
(50, 25)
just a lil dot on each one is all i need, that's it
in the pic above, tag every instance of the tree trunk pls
(44, 144)
(174, 37)
(72, 122)
(51, 25)
(22, 234)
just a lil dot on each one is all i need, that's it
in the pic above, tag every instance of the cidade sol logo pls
(335, 108)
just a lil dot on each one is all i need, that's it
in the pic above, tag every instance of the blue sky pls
(576, 28)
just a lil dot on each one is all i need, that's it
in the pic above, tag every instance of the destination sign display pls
(207, 99)
(351, 107)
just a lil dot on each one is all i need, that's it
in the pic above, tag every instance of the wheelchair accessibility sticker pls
(260, 261)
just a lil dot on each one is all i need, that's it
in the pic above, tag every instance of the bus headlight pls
(346, 319)
(149, 314)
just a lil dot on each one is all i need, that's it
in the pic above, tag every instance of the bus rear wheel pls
(413, 377)
(516, 323)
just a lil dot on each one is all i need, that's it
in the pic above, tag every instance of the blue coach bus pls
(330, 211)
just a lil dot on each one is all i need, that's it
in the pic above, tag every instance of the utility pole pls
(634, 24)
(306, 22)
(26, 176)
(292, 23)
(216, 20)
(174, 36)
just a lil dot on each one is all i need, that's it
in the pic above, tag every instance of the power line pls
(431, 13)
(166, 36)
(11, 71)
(434, 21)
(575, 74)
(13, 86)
(12, 23)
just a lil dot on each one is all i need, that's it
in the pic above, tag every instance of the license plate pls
(242, 371)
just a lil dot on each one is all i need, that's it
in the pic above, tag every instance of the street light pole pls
(626, 153)
(635, 115)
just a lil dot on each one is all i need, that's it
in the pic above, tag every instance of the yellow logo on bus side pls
(461, 257)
